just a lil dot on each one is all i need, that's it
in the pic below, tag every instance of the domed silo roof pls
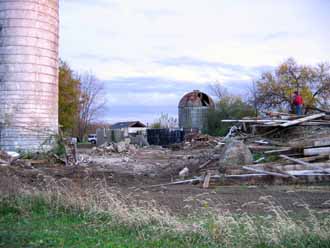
(196, 98)
(193, 110)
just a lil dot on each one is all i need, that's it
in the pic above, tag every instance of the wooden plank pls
(264, 147)
(265, 172)
(298, 161)
(310, 142)
(294, 173)
(288, 167)
(308, 172)
(317, 151)
(174, 183)
(322, 142)
(254, 121)
(301, 120)
(286, 149)
(206, 183)
(278, 170)
(207, 163)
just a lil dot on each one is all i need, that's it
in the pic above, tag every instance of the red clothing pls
(298, 100)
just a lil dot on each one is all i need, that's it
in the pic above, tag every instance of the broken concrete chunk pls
(120, 147)
(235, 153)
(8, 157)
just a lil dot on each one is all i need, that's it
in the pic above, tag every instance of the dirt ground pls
(251, 199)
(131, 175)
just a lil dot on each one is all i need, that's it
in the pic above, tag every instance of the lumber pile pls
(288, 149)
(297, 155)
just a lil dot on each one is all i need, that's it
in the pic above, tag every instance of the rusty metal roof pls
(196, 99)
(127, 124)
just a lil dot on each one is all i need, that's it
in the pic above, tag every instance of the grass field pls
(48, 221)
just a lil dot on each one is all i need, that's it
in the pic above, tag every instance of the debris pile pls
(7, 158)
(288, 146)
(198, 141)
(120, 147)
(280, 148)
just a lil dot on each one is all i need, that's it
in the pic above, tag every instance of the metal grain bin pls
(193, 110)
(29, 34)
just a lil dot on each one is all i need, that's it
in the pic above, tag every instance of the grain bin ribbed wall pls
(193, 110)
(29, 31)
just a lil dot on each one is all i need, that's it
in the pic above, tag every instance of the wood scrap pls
(265, 172)
(301, 120)
(206, 182)
(253, 121)
(298, 161)
(317, 151)
(195, 180)
(279, 170)
(322, 142)
(266, 148)
(309, 172)
(287, 167)
(315, 158)
(284, 149)
(293, 173)
(207, 163)
(259, 160)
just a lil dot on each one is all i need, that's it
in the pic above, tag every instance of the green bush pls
(229, 107)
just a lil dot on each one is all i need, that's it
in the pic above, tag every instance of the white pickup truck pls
(92, 138)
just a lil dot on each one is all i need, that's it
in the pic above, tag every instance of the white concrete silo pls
(29, 36)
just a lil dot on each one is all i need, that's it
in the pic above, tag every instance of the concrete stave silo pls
(193, 111)
(29, 36)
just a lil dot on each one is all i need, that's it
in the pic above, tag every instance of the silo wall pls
(29, 35)
(193, 117)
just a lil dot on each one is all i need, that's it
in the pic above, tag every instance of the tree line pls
(273, 91)
(81, 100)
(81, 96)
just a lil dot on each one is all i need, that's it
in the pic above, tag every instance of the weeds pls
(102, 217)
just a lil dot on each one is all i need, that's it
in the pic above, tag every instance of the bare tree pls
(91, 102)
(218, 90)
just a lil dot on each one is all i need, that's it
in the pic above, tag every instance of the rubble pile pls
(284, 146)
(198, 141)
(120, 147)
(279, 148)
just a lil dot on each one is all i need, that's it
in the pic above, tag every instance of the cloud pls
(144, 98)
(151, 52)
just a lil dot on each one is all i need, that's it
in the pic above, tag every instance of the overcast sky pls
(150, 52)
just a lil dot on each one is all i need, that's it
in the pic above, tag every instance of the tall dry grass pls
(239, 230)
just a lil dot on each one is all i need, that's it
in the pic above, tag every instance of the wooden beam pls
(298, 161)
(206, 183)
(286, 149)
(317, 151)
(278, 170)
(322, 142)
(264, 147)
(254, 121)
(207, 163)
(265, 172)
(301, 120)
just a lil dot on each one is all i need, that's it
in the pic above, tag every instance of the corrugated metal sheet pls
(29, 32)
